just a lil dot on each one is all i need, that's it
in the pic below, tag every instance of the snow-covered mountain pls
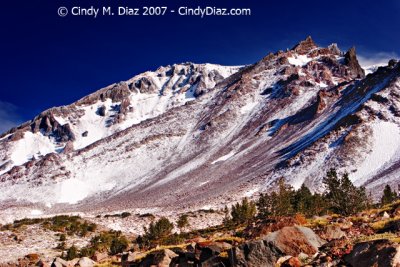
(200, 135)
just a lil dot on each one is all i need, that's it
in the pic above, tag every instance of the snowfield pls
(385, 148)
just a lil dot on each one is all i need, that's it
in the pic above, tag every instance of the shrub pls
(300, 219)
(125, 214)
(173, 239)
(63, 237)
(87, 252)
(162, 228)
(113, 242)
(72, 253)
(118, 245)
(62, 245)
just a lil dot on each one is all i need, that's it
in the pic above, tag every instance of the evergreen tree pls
(342, 196)
(388, 195)
(160, 229)
(318, 206)
(303, 201)
(182, 221)
(280, 203)
(284, 199)
(243, 212)
(266, 205)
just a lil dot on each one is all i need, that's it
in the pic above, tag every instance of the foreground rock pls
(291, 241)
(160, 258)
(78, 262)
(375, 254)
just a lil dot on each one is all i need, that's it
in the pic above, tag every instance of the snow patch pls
(299, 60)
(373, 68)
(385, 145)
(223, 158)
(36, 212)
(248, 107)
(251, 192)
(31, 145)
(60, 120)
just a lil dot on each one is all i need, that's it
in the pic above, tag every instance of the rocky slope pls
(368, 238)
(193, 136)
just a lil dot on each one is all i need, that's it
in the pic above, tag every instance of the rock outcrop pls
(350, 59)
(305, 46)
(374, 253)
(289, 241)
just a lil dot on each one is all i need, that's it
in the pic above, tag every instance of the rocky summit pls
(198, 136)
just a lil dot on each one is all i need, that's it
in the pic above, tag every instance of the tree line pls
(340, 197)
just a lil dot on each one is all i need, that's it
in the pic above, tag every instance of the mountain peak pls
(305, 46)
(351, 60)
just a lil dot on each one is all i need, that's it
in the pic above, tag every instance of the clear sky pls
(49, 60)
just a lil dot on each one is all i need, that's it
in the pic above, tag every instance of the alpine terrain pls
(200, 136)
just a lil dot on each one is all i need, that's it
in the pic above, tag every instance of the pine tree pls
(182, 221)
(388, 195)
(265, 205)
(160, 229)
(227, 216)
(303, 200)
(342, 196)
(284, 199)
(243, 212)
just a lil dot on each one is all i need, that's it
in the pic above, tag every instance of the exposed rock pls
(64, 133)
(294, 240)
(73, 262)
(255, 254)
(350, 59)
(33, 257)
(116, 93)
(85, 133)
(333, 232)
(85, 262)
(145, 85)
(207, 250)
(334, 49)
(305, 46)
(100, 256)
(101, 111)
(58, 262)
(223, 245)
(17, 135)
(69, 147)
(160, 258)
(392, 63)
(42, 263)
(374, 253)
(385, 215)
(291, 262)
(124, 107)
(128, 257)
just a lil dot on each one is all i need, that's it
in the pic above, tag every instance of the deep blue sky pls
(49, 61)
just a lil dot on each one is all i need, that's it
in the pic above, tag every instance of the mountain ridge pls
(226, 132)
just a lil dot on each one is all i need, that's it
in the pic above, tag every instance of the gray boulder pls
(292, 241)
